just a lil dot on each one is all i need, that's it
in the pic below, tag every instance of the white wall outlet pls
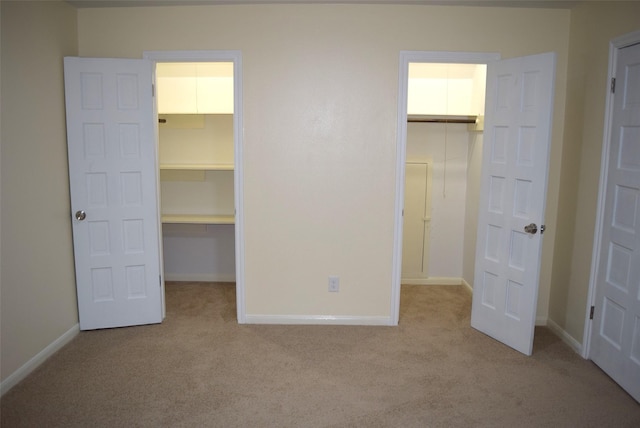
(334, 284)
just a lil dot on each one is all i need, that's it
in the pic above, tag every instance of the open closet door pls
(519, 105)
(113, 185)
(615, 332)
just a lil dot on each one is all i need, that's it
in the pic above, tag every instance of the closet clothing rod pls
(441, 119)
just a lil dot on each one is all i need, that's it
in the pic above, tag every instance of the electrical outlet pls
(334, 284)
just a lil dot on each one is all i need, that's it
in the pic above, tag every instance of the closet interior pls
(445, 111)
(196, 157)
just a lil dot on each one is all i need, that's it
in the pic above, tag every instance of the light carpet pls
(200, 368)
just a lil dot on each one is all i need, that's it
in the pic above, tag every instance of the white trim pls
(40, 358)
(238, 179)
(234, 56)
(318, 320)
(467, 285)
(564, 336)
(199, 277)
(541, 321)
(614, 46)
(401, 150)
(626, 40)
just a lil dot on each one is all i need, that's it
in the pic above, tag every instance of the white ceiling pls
(561, 4)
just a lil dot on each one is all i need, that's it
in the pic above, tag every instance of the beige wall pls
(593, 25)
(320, 94)
(38, 284)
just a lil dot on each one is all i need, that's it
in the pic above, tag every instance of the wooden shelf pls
(198, 219)
(435, 118)
(198, 167)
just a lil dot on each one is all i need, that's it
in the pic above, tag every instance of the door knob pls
(531, 228)
(81, 215)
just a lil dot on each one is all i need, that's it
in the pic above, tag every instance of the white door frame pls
(407, 57)
(235, 57)
(614, 47)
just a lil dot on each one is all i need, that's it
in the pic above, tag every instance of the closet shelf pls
(198, 219)
(434, 118)
(198, 167)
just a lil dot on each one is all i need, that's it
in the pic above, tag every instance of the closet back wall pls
(197, 252)
(446, 147)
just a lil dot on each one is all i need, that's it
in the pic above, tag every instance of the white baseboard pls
(541, 321)
(565, 337)
(317, 319)
(203, 277)
(40, 358)
(467, 285)
(432, 281)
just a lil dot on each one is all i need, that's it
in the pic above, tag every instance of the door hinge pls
(160, 280)
(613, 85)
(153, 90)
(593, 308)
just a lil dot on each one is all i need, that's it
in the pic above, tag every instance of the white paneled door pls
(615, 333)
(519, 104)
(113, 182)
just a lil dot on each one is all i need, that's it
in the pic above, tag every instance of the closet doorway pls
(514, 167)
(200, 161)
(445, 110)
(113, 160)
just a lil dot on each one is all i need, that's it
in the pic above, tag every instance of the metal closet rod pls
(441, 119)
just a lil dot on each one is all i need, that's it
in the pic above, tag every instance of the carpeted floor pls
(199, 368)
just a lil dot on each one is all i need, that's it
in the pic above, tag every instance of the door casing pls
(407, 57)
(235, 57)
